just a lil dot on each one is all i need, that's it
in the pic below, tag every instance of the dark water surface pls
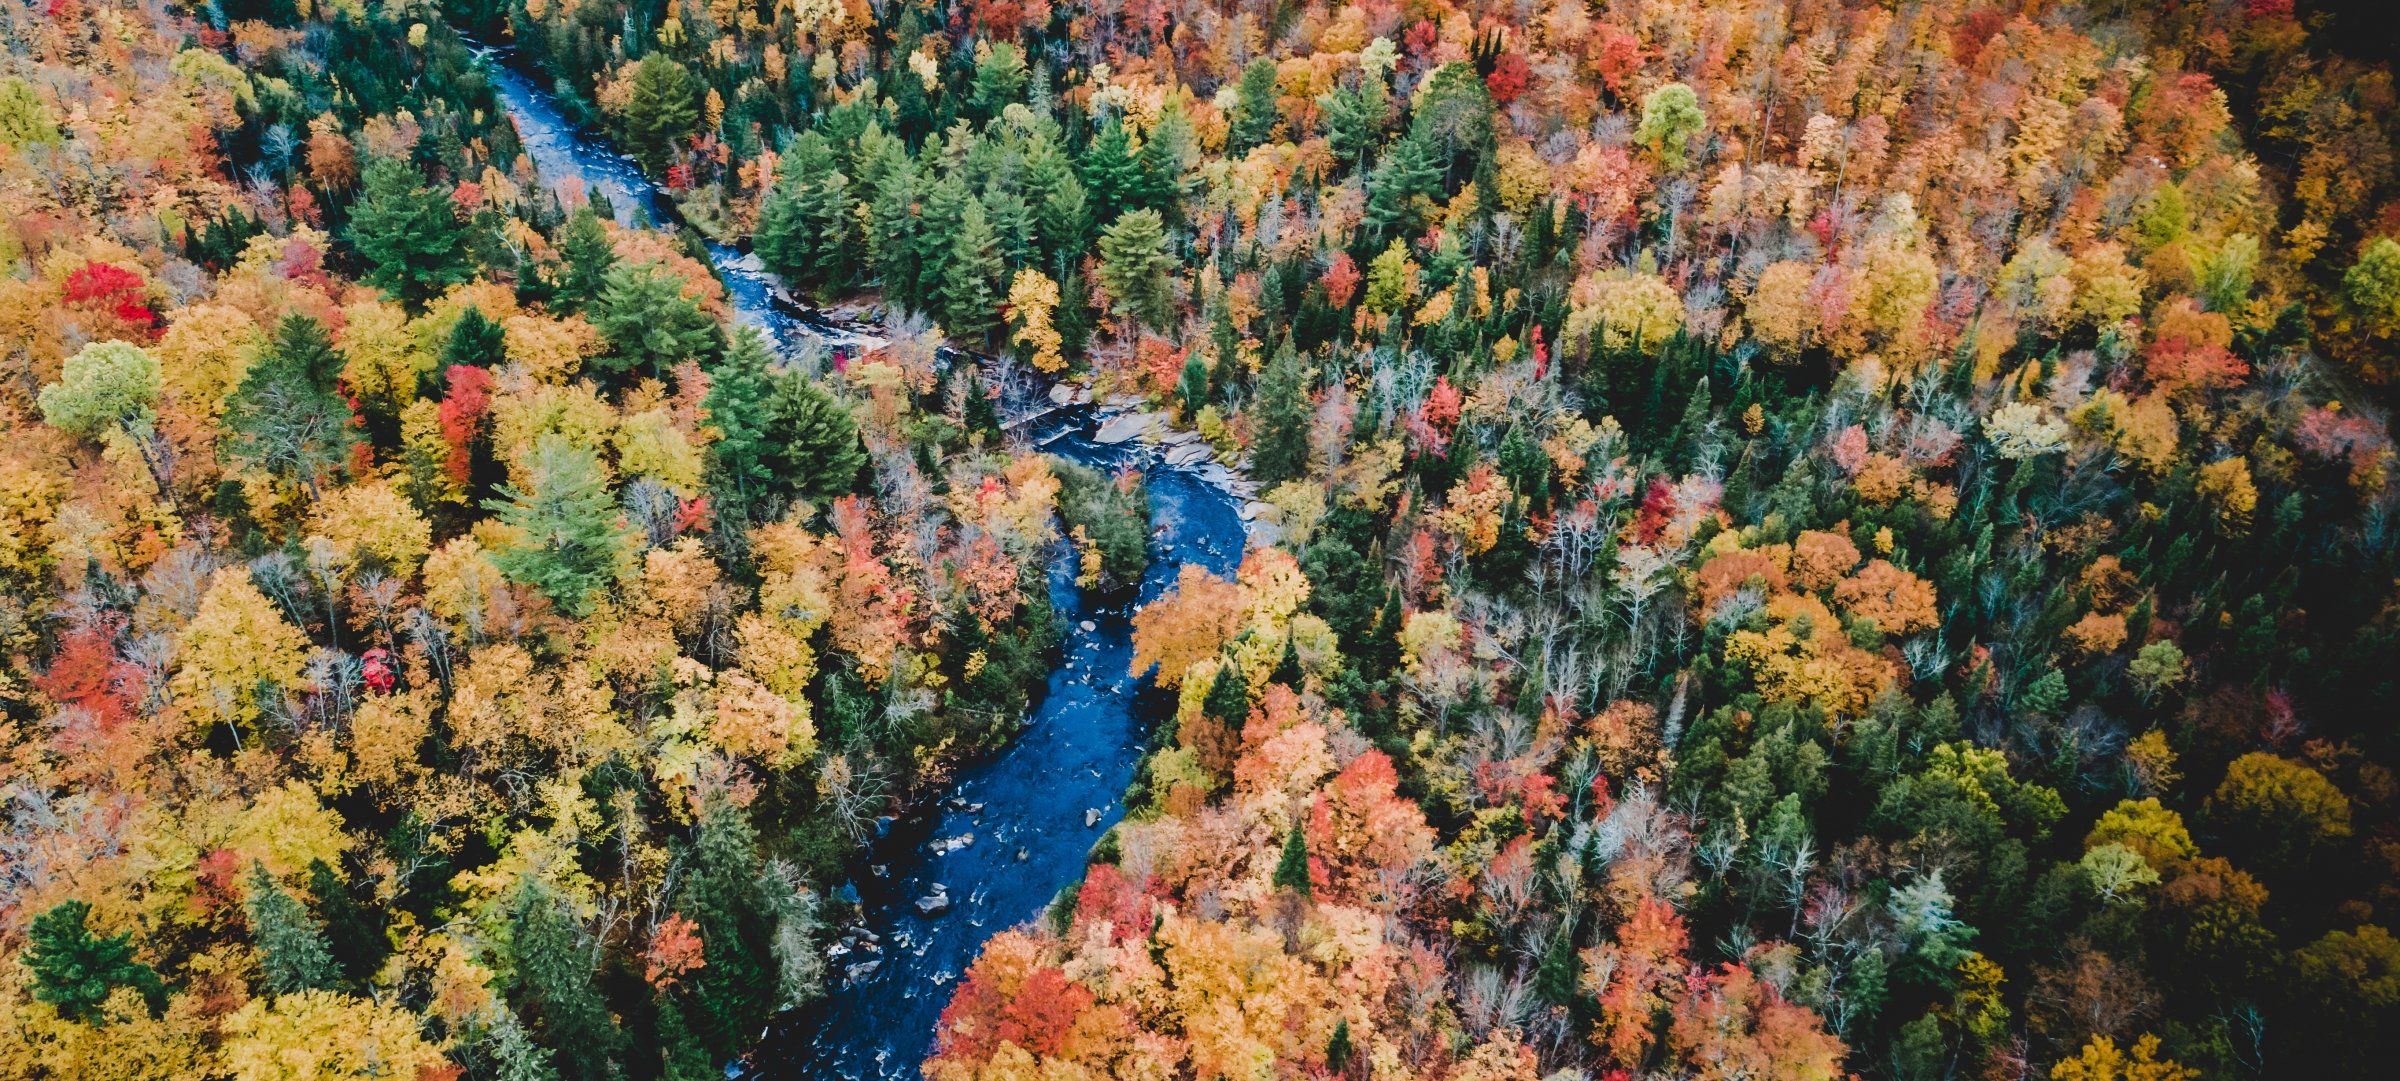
(1026, 808)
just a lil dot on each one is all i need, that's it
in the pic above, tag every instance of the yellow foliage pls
(650, 445)
(237, 644)
(1628, 308)
(125, 1043)
(1427, 634)
(2101, 1060)
(385, 358)
(374, 519)
(550, 348)
(2227, 485)
(204, 355)
(319, 1034)
(1032, 296)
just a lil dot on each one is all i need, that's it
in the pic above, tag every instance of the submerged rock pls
(933, 904)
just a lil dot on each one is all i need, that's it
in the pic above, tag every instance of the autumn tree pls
(291, 943)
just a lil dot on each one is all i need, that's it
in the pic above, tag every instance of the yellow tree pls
(237, 651)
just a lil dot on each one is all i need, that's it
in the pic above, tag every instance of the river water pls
(1029, 815)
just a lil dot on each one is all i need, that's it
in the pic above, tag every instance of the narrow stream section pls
(1015, 829)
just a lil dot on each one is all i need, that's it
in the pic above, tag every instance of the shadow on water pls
(1022, 815)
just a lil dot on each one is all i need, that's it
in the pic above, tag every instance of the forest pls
(1794, 539)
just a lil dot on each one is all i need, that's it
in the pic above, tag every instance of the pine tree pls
(1338, 1050)
(1228, 699)
(892, 229)
(682, 1057)
(663, 110)
(571, 537)
(1279, 450)
(554, 986)
(352, 931)
(941, 219)
(1192, 388)
(1256, 117)
(291, 943)
(819, 454)
(288, 415)
(1291, 871)
(408, 235)
(75, 970)
(970, 287)
(1411, 173)
(1136, 267)
(474, 341)
(650, 323)
(740, 408)
(588, 255)
(735, 993)
(1063, 221)
(1353, 118)
(1111, 177)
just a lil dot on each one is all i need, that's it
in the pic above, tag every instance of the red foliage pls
(88, 673)
(675, 949)
(1972, 33)
(1421, 39)
(691, 515)
(1107, 896)
(1616, 56)
(1508, 78)
(376, 669)
(113, 287)
(1038, 1017)
(2176, 364)
(1341, 281)
(461, 414)
(216, 882)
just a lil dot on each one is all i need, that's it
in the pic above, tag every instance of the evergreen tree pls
(1228, 699)
(1279, 450)
(648, 322)
(1254, 120)
(1410, 175)
(474, 341)
(682, 1057)
(1136, 267)
(734, 994)
(1338, 1050)
(817, 449)
(75, 970)
(999, 79)
(941, 219)
(352, 931)
(741, 408)
(1291, 871)
(1353, 118)
(408, 235)
(1111, 177)
(288, 415)
(584, 248)
(292, 952)
(662, 111)
(1192, 388)
(571, 538)
(892, 229)
(1063, 221)
(970, 287)
(553, 985)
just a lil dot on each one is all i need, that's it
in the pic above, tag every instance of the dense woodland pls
(1803, 538)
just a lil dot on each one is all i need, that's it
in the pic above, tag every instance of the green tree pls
(735, 993)
(1354, 116)
(75, 970)
(1291, 871)
(817, 451)
(408, 235)
(1136, 267)
(1255, 118)
(352, 931)
(1670, 117)
(892, 226)
(805, 229)
(584, 248)
(1192, 388)
(1112, 178)
(474, 341)
(648, 322)
(741, 408)
(288, 415)
(1279, 451)
(970, 288)
(104, 386)
(1403, 186)
(571, 540)
(661, 112)
(553, 985)
(292, 952)
(941, 219)
(999, 79)
(24, 120)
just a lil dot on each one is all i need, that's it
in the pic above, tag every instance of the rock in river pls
(933, 904)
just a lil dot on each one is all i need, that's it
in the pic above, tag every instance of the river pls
(1030, 814)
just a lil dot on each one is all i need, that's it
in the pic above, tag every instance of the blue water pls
(1026, 806)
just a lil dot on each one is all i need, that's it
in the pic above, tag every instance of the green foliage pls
(291, 943)
(662, 111)
(585, 249)
(1137, 269)
(970, 288)
(1291, 869)
(75, 970)
(570, 540)
(1283, 414)
(407, 234)
(1114, 514)
(552, 985)
(104, 385)
(475, 341)
(288, 415)
(1670, 117)
(1254, 121)
(649, 322)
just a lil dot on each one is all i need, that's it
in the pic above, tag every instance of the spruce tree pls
(819, 453)
(352, 931)
(571, 539)
(1111, 177)
(584, 247)
(288, 415)
(1254, 120)
(735, 993)
(292, 952)
(554, 985)
(1136, 267)
(474, 341)
(650, 323)
(970, 287)
(682, 1057)
(1279, 450)
(941, 219)
(892, 229)
(76, 970)
(1228, 699)
(1192, 388)
(662, 111)
(407, 234)
(740, 408)
(1338, 1050)
(1291, 871)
